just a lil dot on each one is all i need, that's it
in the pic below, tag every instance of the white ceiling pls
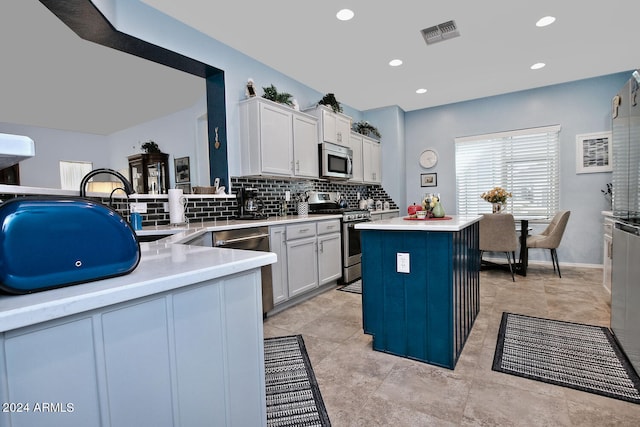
(498, 43)
(52, 78)
(43, 83)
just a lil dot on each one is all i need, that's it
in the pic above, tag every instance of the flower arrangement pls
(496, 195)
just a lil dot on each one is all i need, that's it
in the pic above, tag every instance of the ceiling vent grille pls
(437, 33)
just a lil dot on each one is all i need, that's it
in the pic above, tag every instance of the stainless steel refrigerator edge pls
(625, 286)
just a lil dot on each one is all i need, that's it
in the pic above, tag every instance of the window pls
(524, 162)
(71, 174)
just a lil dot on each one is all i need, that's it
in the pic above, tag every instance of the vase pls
(438, 210)
(497, 208)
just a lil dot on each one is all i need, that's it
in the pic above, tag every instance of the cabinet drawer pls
(298, 231)
(331, 226)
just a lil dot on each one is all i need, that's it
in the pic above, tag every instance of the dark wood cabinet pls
(149, 173)
(10, 175)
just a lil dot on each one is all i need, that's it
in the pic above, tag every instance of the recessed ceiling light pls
(395, 62)
(421, 90)
(345, 14)
(547, 20)
(538, 65)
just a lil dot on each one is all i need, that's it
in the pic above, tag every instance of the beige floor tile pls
(363, 387)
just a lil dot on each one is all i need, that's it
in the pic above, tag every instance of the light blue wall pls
(579, 107)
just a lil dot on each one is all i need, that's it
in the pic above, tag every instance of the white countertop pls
(180, 233)
(456, 223)
(164, 265)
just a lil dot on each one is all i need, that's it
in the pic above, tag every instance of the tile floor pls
(362, 387)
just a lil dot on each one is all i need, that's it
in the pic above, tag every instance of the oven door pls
(351, 251)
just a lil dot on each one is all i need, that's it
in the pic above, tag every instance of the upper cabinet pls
(277, 140)
(371, 161)
(355, 143)
(333, 127)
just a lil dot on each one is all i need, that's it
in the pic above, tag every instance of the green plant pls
(271, 93)
(150, 147)
(364, 128)
(330, 100)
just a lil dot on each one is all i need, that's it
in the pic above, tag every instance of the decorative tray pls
(408, 218)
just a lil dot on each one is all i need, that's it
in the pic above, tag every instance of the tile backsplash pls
(200, 207)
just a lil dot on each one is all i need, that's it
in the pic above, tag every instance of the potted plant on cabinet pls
(331, 101)
(271, 93)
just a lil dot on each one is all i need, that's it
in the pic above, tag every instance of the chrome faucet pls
(128, 188)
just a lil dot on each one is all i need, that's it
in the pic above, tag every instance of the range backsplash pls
(201, 208)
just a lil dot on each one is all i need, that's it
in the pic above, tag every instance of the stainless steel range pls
(328, 203)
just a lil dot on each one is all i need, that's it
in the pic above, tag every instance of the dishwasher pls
(252, 239)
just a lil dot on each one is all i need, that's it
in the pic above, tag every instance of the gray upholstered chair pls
(498, 234)
(551, 236)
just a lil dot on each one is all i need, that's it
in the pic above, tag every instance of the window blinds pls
(524, 162)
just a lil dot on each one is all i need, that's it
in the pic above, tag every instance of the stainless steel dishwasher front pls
(252, 239)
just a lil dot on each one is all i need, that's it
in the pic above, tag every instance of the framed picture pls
(183, 173)
(428, 179)
(593, 152)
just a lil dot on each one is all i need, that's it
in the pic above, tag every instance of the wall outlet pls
(402, 263)
(138, 207)
(287, 196)
(165, 206)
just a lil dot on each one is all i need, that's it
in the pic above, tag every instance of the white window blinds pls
(71, 174)
(524, 162)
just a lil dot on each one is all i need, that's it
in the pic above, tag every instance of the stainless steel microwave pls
(336, 161)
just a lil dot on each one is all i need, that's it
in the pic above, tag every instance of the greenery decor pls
(150, 147)
(366, 129)
(331, 101)
(271, 93)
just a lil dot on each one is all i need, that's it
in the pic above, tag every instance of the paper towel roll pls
(176, 206)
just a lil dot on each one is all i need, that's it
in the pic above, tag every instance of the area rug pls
(568, 354)
(355, 287)
(293, 395)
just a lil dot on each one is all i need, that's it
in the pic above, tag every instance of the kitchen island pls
(178, 341)
(420, 286)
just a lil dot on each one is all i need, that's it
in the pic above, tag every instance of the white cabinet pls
(371, 165)
(333, 127)
(161, 360)
(302, 264)
(355, 143)
(309, 256)
(277, 140)
(305, 146)
(329, 255)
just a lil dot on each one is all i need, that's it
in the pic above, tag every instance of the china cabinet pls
(149, 173)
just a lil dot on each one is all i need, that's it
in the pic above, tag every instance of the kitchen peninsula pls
(420, 286)
(176, 342)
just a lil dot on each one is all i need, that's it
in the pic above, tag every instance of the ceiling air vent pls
(446, 30)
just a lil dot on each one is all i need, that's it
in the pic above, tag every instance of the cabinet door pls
(329, 127)
(276, 139)
(371, 161)
(305, 147)
(302, 263)
(279, 269)
(343, 129)
(355, 143)
(329, 258)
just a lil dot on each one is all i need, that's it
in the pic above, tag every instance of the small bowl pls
(421, 214)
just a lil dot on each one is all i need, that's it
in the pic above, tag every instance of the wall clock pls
(428, 158)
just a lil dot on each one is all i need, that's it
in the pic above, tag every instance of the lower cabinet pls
(192, 356)
(308, 257)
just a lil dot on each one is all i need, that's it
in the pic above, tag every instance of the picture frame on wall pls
(183, 171)
(186, 188)
(594, 152)
(428, 179)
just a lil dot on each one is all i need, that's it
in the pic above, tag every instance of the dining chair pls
(551, 236)
(498, 234)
